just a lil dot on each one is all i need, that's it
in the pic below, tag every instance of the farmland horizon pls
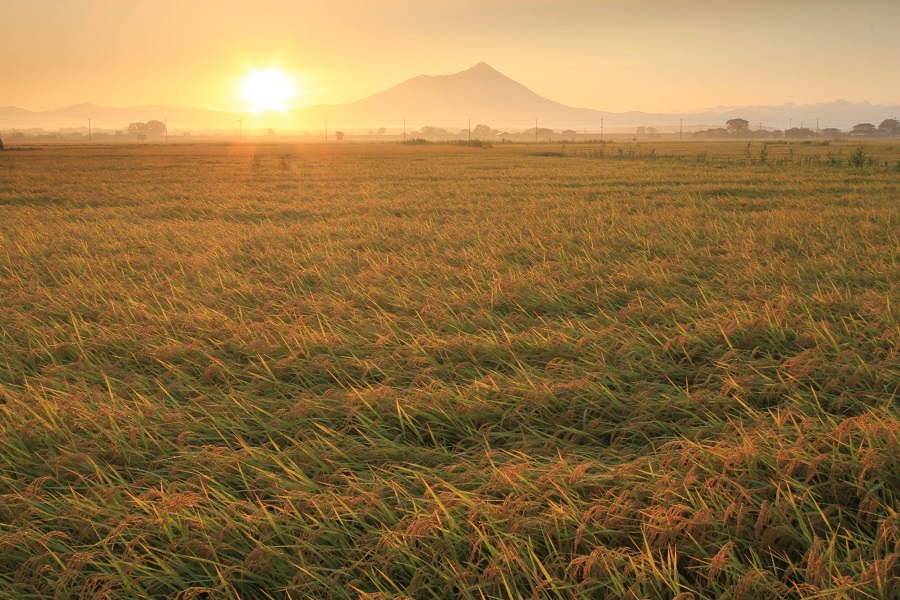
(480, 91)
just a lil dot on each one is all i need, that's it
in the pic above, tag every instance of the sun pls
(268, 90)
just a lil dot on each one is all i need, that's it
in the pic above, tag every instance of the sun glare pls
(268, 90)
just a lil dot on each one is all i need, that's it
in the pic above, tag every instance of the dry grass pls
(449, 372)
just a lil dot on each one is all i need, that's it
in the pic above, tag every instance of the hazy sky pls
(652, 55)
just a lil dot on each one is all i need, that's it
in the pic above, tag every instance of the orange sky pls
(652, 55)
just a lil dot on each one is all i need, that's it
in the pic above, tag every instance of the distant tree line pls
(155, 130)
(740, 128)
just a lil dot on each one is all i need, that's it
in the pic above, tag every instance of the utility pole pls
(535, 130)
(470, 130)
(601, 130)
(166, 123)
(680, 129)
(817, 126)
(404, 129)
(90, 138)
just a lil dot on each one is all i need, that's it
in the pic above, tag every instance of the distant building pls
(863, 129)
(801, 133)
(570, 134)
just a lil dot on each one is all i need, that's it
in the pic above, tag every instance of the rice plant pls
(435, 371)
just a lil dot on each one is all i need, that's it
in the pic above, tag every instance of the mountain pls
(14, 112)
(484, 95)
(480, 93)
(113, 118)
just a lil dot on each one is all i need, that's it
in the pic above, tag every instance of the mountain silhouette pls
(484, 95)
(481, 93)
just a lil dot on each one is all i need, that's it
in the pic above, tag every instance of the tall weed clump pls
(860, 158)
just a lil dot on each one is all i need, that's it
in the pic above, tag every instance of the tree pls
(339, 135)
(431, 130)
(889, 126)
(156, 128)
(542, 132)
(270, 132)
(737, 126)
(482, 131)
(138, 130)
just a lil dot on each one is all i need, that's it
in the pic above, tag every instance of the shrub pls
(474, 143)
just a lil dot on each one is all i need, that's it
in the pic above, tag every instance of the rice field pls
(619, 370)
